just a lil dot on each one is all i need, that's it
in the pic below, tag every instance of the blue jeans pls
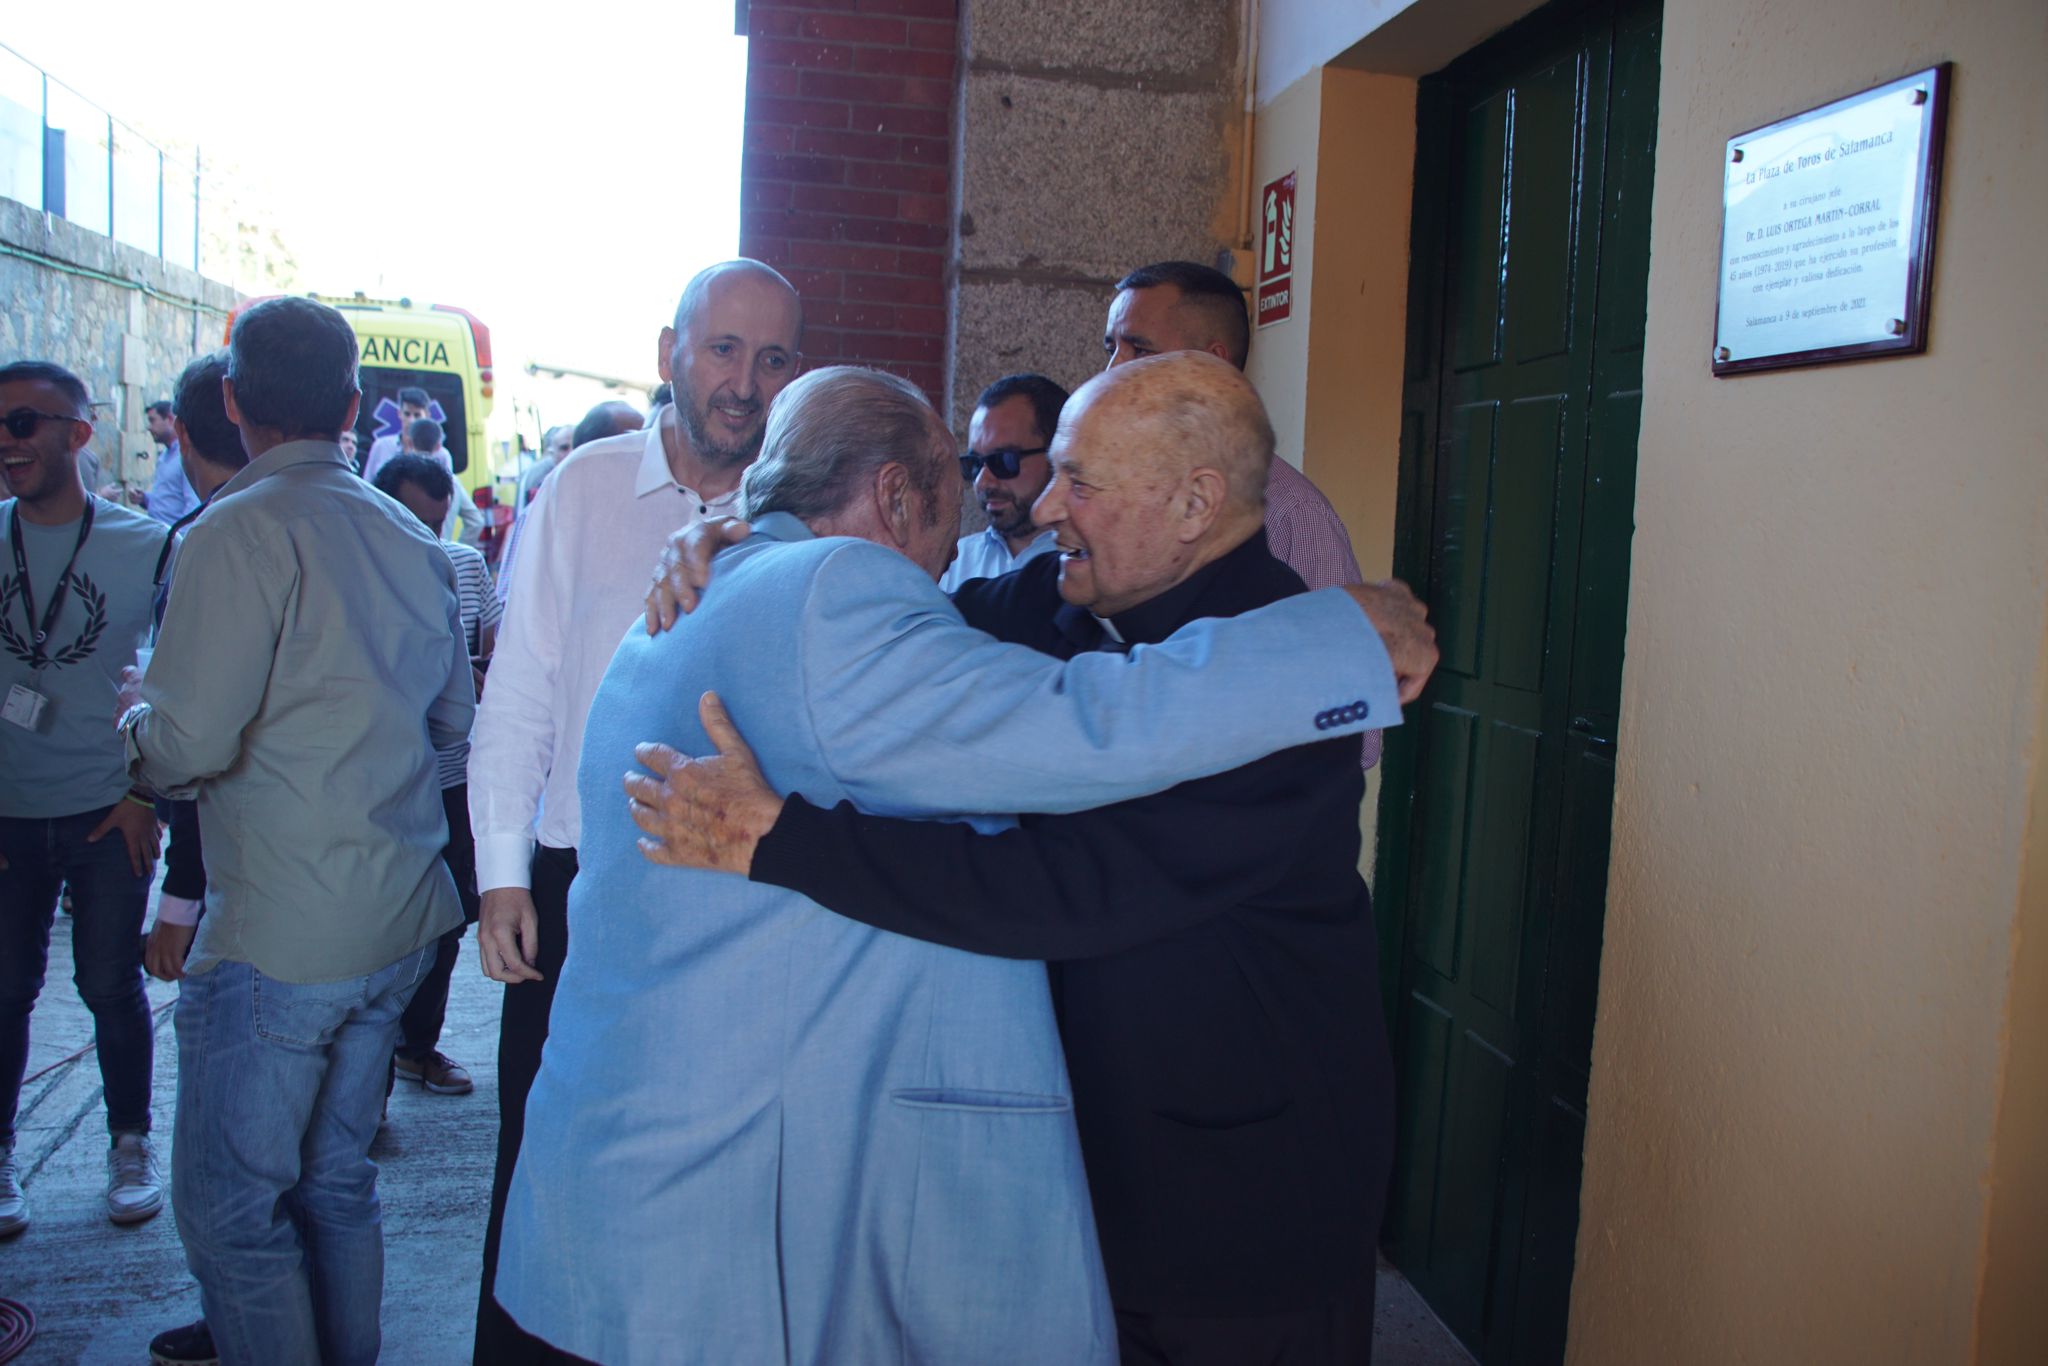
(280, 1085)
(107, 905)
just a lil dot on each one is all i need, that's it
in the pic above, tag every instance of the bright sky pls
(560, 169)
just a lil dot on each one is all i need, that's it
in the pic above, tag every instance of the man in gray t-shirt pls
(74, 606)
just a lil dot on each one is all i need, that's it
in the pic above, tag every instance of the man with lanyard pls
(74, 607)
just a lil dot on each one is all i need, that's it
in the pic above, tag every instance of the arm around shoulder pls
(920, 714)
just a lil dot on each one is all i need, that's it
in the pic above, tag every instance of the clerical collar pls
(1157, 618)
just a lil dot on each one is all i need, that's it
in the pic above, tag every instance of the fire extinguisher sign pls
(1276, 251)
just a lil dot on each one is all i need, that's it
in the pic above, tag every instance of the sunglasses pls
(21, 424)
(1003, 464)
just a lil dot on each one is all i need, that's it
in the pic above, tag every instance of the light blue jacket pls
(763, 1133)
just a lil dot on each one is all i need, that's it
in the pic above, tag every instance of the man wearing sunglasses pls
(1005, 464)
(75, 601)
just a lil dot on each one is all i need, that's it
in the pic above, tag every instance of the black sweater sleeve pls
(1074, 886)
(184, 869)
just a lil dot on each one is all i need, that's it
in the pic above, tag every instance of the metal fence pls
(63, 154)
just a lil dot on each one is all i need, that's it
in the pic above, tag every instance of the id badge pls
(25, 707)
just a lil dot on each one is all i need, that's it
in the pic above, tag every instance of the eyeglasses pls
(21, 424)
(1003, 464)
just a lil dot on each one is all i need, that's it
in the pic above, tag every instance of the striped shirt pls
(481, 610)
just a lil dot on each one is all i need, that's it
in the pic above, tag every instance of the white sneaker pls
(134, 1190)
(13, 1204)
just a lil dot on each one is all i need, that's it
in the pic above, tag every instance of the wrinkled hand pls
(1403, 623)
(138, 828)
(164, 954)
(508, 935)
(703, 813)
(686, 567)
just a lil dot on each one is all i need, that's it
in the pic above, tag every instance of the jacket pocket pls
(981, 1102)
(1002, 1267)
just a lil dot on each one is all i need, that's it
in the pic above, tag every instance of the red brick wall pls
(847, 168)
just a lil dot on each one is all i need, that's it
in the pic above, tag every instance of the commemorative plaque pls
(1827, 229)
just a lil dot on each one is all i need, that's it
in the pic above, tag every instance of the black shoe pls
(191, 1345)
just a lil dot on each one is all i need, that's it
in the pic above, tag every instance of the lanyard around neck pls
(41, 633)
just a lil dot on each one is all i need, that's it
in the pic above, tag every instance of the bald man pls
(1211, 948)
(596, 525)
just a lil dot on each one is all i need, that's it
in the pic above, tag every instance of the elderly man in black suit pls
(1211, 947)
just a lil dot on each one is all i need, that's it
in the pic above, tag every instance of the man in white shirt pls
(412, 406)
(601, 519)
(1006, 464)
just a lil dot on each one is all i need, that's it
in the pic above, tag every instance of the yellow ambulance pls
(440, 348)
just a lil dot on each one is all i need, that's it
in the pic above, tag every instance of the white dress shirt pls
(986, 555)
(588, 551)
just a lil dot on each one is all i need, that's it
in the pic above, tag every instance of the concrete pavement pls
(100, 1293)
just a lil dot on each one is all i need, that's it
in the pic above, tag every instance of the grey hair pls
(828, 433)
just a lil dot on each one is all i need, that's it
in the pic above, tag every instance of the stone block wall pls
(845, 179)
(125, 321)
(1092, 139)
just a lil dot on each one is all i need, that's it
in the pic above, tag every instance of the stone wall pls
(1091, 139)
(125, 321)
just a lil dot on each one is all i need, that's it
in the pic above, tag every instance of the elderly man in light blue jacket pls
(762, 1133)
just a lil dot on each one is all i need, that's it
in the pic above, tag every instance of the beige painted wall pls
(1286, 138)
(1810, 1006)
(1331, 375)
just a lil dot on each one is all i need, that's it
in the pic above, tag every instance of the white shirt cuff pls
(176, 910)
(503, 861)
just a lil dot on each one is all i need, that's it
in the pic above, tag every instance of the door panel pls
(1532, 228)
(1465, 497)
(1546, 109)
(1485, 229)
(1524, 528)
(1497, 866)
(1452, 732)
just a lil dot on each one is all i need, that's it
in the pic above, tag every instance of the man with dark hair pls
(597, 524)
(74, 607)
(613, 418)
(424, 437)
(1200, 301)
(211, 447)
(413, 404)
(170, 492)
(310, 661)
(426, 490)
(1005, 464)
(1183, 306)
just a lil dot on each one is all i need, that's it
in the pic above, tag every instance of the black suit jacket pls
(1212, 960)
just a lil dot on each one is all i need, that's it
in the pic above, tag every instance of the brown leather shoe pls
(437, 1072)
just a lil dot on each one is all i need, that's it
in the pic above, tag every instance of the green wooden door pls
(1525, 375)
